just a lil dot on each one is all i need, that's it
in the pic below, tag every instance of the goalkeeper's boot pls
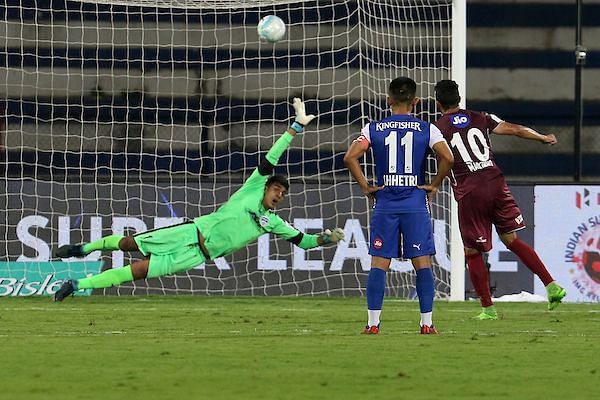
(487, 313)
(371, 330)
(69, 250)
(555, 295)
(428, 330)
(66, 290)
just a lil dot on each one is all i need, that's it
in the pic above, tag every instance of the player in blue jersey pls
(401, 223)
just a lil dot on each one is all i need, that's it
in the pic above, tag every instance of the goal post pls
(459, 75)
(123, 116)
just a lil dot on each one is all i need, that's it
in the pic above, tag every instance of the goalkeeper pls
(241, 220)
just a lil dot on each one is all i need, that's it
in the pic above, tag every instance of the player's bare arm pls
(507, 128)
(351, 160)
(445, 161)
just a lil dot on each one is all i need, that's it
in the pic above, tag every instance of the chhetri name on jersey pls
(477, 165)
(400, 180)
(413, 125)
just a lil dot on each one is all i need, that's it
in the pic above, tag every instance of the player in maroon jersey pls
(482, 194)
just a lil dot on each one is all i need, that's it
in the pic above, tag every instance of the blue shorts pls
(405, 235)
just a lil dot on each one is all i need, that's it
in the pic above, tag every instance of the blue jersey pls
(400, 145)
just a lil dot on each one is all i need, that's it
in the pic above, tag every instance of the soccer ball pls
(271, 28)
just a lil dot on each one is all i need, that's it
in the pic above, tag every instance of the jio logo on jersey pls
(378, 243)
(461, 120)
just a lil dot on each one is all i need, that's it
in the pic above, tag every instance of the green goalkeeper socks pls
(108, 278)
(106, 243)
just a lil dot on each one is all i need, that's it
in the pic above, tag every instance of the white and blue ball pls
(271, 28)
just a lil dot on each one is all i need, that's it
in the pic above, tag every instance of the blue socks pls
(375, 288)
(425, 289)
(376, 291)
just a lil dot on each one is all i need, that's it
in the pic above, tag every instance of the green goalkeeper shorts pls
(172, 249)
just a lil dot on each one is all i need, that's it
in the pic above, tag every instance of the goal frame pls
(454, 66)
(459, 75)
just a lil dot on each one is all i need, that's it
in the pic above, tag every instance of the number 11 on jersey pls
(392, 142)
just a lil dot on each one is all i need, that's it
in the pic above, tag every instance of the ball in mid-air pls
(271, 28)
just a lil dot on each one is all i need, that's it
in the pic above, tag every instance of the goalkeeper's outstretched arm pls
(308, 241)
(259, 177)
(305, 240)
(272, 158)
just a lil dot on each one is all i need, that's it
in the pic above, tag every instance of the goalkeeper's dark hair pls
(402, 90)
(280, 179)
(446, 93)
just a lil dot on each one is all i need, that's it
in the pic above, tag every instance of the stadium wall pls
(521, 66)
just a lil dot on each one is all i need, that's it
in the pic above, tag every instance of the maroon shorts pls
(490, 203)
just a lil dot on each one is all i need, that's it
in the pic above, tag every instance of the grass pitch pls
(192, 347)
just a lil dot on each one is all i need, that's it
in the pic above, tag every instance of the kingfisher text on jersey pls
(382, 126)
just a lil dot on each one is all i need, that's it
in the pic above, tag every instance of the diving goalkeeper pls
(241, 220)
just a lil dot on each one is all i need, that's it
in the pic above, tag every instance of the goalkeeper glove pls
(301, 119)
(334, 236)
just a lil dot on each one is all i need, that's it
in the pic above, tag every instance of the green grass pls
(291, 348)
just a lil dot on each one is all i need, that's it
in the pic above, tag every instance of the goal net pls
(124, 116)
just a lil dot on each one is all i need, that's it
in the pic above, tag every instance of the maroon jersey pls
(467, 134)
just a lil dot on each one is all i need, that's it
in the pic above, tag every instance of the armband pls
(265, 167)
(363, 141)
(296, 239)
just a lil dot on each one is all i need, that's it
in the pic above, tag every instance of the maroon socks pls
(530, 258)
(479, 278)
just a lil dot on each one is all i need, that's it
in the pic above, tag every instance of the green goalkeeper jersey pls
(243, 218)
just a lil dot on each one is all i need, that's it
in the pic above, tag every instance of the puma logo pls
(417, 246)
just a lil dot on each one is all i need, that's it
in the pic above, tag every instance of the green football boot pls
(555, 295)
(488, 313)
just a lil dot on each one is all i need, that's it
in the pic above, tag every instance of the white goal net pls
(124, 116)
